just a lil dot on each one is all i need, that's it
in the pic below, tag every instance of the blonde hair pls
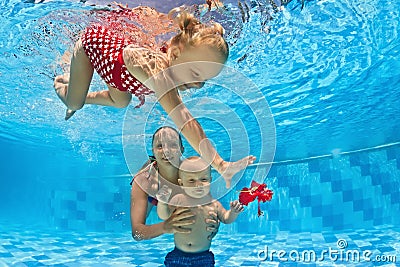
(194, 33)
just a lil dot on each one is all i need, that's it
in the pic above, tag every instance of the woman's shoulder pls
(148, 169)
(147, 178)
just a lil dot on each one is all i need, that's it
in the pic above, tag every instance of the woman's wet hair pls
(194, 33)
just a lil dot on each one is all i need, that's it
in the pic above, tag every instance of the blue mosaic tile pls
(395, 198)
(313, 166)
(317, 211)
(273, 214)
(81, 196)
(368, 214)
(327, 210)
(316, 200)
(337, 221)
(325, 164)
(325, 176)
(40, 257)
(281, 170)
(250, 263)
(284, 181)
(294, 191)
(28, 249)
(305, 201)
(336, 186)
(386, 249)
(32, 263)
(376, 178)
(81, 215)
(358, 205)
(96, 225)
(388, 188)
(348, 195)
(365, 170)
(60, 251)
(68, 205)
(380, 221)
(336, 175)
(118, 197)
(347, 184)
(391, 153)
(354, 160)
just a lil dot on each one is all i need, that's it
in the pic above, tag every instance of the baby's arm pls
(229, 216)
(163, 211)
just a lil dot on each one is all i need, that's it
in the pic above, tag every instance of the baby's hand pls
(164, 194)
(236, 206)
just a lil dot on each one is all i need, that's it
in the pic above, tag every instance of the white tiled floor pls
(48, 247)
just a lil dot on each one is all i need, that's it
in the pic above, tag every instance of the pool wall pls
(349, 191)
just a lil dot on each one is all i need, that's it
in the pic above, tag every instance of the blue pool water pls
(315, 99)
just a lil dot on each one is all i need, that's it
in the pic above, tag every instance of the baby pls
(192, 249)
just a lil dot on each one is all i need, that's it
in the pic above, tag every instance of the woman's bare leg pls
(73, 90)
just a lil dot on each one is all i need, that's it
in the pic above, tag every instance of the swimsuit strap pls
(147, 168)
(154, 164)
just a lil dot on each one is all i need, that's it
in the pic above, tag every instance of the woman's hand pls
(229, 169)
(212, 224)
(179, 218)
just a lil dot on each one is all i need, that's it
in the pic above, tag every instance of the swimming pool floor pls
(20, 246)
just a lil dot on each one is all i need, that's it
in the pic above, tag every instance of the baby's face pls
(195, 65)
(196, 184)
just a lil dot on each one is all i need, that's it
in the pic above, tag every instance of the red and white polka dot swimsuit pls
(104, 49)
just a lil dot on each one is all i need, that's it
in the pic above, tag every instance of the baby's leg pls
(73, 91)
(111, 97)
(61, 86)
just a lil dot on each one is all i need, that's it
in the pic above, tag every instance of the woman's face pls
(166, 148)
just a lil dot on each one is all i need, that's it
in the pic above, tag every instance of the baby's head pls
(195, 177)
(194, 46)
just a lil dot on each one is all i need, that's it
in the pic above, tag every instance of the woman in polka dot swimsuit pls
(197, 53)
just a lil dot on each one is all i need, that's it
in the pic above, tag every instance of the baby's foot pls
(63, 79)
(69, 114)
(61, 86)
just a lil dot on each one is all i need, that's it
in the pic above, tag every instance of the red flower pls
(259, 191)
